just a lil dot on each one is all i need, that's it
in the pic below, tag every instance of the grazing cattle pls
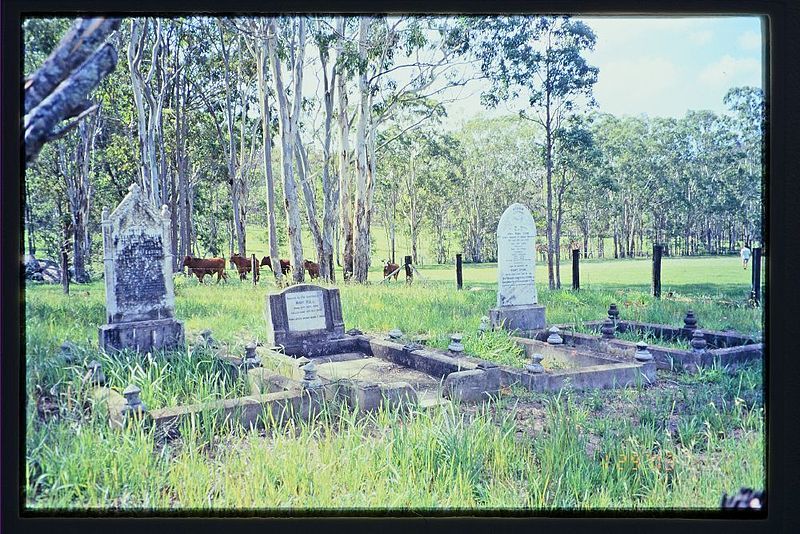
(391, 268)
(243, 266)
(286, 267)
(203, 266)
(312, 268)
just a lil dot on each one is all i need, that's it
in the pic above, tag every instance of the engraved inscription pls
(305, 311)
(139, 276)
(516, 257)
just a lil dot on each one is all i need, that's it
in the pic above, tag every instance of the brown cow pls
(391, 268)
(203, 266)
(312, 268)
(243, 266)
(286, 267)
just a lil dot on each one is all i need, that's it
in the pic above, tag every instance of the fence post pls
(757, 275)
(657, 251)
(253, 267)
(65, 271)
(576, 275)
(409, 275)
(459, 277)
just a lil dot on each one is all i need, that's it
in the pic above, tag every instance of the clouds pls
(750, 40)
(665, 66)
(636, 85)
(702, 37)
(730, 72)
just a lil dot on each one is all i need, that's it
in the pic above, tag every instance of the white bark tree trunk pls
(266, 139)
(361, 245)
(288, 125)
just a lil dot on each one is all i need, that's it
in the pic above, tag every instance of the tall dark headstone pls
(140, 299)
(657, 251)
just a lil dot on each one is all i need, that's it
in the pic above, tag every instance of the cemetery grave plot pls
(685, 348)
(518, 310)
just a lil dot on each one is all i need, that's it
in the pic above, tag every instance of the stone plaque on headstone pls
(140, 298)
(517, 300)
(305, 311)
(302, 316)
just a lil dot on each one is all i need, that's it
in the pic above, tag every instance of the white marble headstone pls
(516, 257)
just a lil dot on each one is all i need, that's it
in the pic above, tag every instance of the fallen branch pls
(74, 48)
(390, 275)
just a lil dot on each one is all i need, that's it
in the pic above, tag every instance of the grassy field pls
(679, 443)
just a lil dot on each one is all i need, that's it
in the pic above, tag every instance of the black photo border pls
(781, 300)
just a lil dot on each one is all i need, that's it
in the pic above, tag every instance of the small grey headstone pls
(302, 316)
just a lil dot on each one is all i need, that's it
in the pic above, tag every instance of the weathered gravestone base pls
(142, 336)
(140, 298)
(530, 317)
(517, 300)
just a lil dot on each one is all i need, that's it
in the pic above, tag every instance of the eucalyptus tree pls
(401, 62)
(148, 57)
(538, 58)
(326, 39)
(575, 167)
(499, 167)
(749, 109)
(293, 49)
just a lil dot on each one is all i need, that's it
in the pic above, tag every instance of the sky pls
(659, 66)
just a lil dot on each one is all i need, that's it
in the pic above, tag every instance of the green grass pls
(680, 443)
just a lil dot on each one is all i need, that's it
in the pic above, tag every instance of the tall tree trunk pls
(149, 119)
(303, 175)
(549, 193)
(330, 184)
(361, 245)
(288, 125)
(266, 140)
(181, 154)
(29, 230)
(79, 192)
(346, 219)
(233, 182)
